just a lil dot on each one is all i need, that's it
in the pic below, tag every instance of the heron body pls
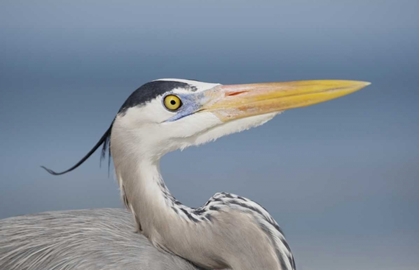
(80, 239)
(228, 231)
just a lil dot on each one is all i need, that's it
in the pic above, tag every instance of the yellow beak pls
(229, 102)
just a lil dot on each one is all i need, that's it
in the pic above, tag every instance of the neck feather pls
(145, 194)
(228, 231)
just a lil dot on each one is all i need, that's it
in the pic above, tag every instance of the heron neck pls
(147, 196)
(173, 227)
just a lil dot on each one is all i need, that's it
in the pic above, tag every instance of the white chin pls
(233, 127)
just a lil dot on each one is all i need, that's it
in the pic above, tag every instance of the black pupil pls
(173, 102)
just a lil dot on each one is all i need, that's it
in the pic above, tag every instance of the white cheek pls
(144, 129)
(190, 125)
(152, 112)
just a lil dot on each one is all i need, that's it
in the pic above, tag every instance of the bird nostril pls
(235, 93)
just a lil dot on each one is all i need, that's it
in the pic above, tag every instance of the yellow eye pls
(172, 102)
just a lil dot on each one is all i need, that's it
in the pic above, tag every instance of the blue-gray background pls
(341, 178)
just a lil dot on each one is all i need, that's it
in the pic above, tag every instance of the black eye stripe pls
(150, 91)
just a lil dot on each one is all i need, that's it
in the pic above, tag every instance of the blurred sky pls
(341, 178)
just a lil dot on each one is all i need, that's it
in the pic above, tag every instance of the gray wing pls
(80, 239)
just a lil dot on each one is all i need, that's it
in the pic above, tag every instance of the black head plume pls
(140, 96)
(104, 141)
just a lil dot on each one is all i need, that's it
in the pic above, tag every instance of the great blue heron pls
(229, 231)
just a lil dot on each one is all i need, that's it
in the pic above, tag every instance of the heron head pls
(169, 114)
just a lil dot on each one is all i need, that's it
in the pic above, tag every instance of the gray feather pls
(65, 239)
